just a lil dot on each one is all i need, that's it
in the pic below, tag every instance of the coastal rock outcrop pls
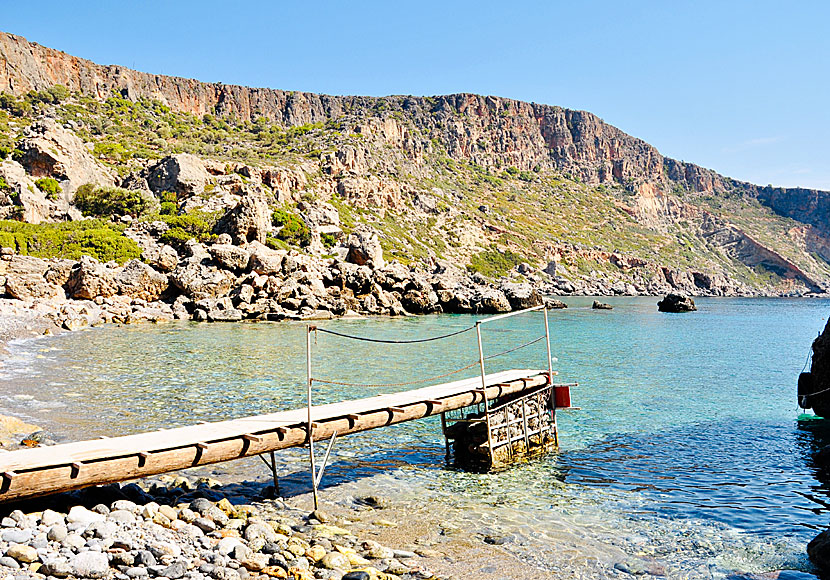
(183, 174)
(676, 303)
(49, 150)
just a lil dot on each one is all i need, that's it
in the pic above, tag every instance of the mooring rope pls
(456, 371)
(328, 382)
(534, 341)
(385, 341)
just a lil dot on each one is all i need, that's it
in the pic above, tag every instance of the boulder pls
(676, 303)
(162, 257)
(264, 260)
(49, 150)
(819, 550)
(183, 174)
(249, 221)
(550, 269)
(597, 305)
(90, 278)
(90, 565)
(218, 309)
(32, 286)
(230, 257)
(138, 280)
(364, 247)
(198, 281)
(521, 296)
(553, 304)
(490, 301)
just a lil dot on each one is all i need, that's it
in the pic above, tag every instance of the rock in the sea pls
(676, 303)
(597, 305)
(819, 550)
(521, 296)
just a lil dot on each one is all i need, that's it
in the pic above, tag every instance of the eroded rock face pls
(90, 278)
(249, 221)
(183, 174)
(51, 151)
(138, 280)
(364, 247)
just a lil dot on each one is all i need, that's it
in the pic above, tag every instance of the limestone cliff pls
(487, 133)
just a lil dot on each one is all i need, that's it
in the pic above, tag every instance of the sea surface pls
(685, 456)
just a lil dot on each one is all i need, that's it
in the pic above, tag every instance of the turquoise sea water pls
(686, 450)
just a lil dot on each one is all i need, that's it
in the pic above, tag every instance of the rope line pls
(384, 341)
(328, 382)
(456, 371)
(534, 341)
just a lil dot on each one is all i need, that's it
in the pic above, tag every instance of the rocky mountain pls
(480, 180)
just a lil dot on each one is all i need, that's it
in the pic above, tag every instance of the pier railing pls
(532, 424)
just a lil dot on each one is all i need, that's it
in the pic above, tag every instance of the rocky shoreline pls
(186, 529)
(227, 281)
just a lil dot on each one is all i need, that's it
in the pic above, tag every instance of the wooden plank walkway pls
(44, 470)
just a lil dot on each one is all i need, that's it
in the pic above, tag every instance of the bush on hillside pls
(494, 263)
(293, 230)
(49, 186)
(193, 226)
(110, 201)
(69, 240)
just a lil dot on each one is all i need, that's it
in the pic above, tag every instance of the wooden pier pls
(39, 471)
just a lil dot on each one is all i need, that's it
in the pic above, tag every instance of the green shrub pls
(493, 263)
(194, 226)
(49, 186)
(276, 244)
(109, 201)
(168, 208)
(69, 240)
(293, 229)
(329, 240)
(17, 108)
(5, 151)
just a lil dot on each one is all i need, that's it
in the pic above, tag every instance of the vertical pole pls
(550, 380)
(484, 394)
(274, 474)
(547, 341)
(446, 440)
(309, 329)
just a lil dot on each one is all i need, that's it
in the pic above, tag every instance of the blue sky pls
(737, 86)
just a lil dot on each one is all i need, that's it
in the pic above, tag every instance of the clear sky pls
(738, 86)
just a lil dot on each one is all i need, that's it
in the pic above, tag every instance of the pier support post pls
(309, 330)
(484, 392)
(550, 378)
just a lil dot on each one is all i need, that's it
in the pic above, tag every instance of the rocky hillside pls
(505, 187)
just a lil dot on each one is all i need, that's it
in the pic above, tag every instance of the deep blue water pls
(687, 420)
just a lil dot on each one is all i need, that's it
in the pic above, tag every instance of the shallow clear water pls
(686, 450)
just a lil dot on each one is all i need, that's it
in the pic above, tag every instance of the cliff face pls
(486, 133)
(485, 130)
(482, 129)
